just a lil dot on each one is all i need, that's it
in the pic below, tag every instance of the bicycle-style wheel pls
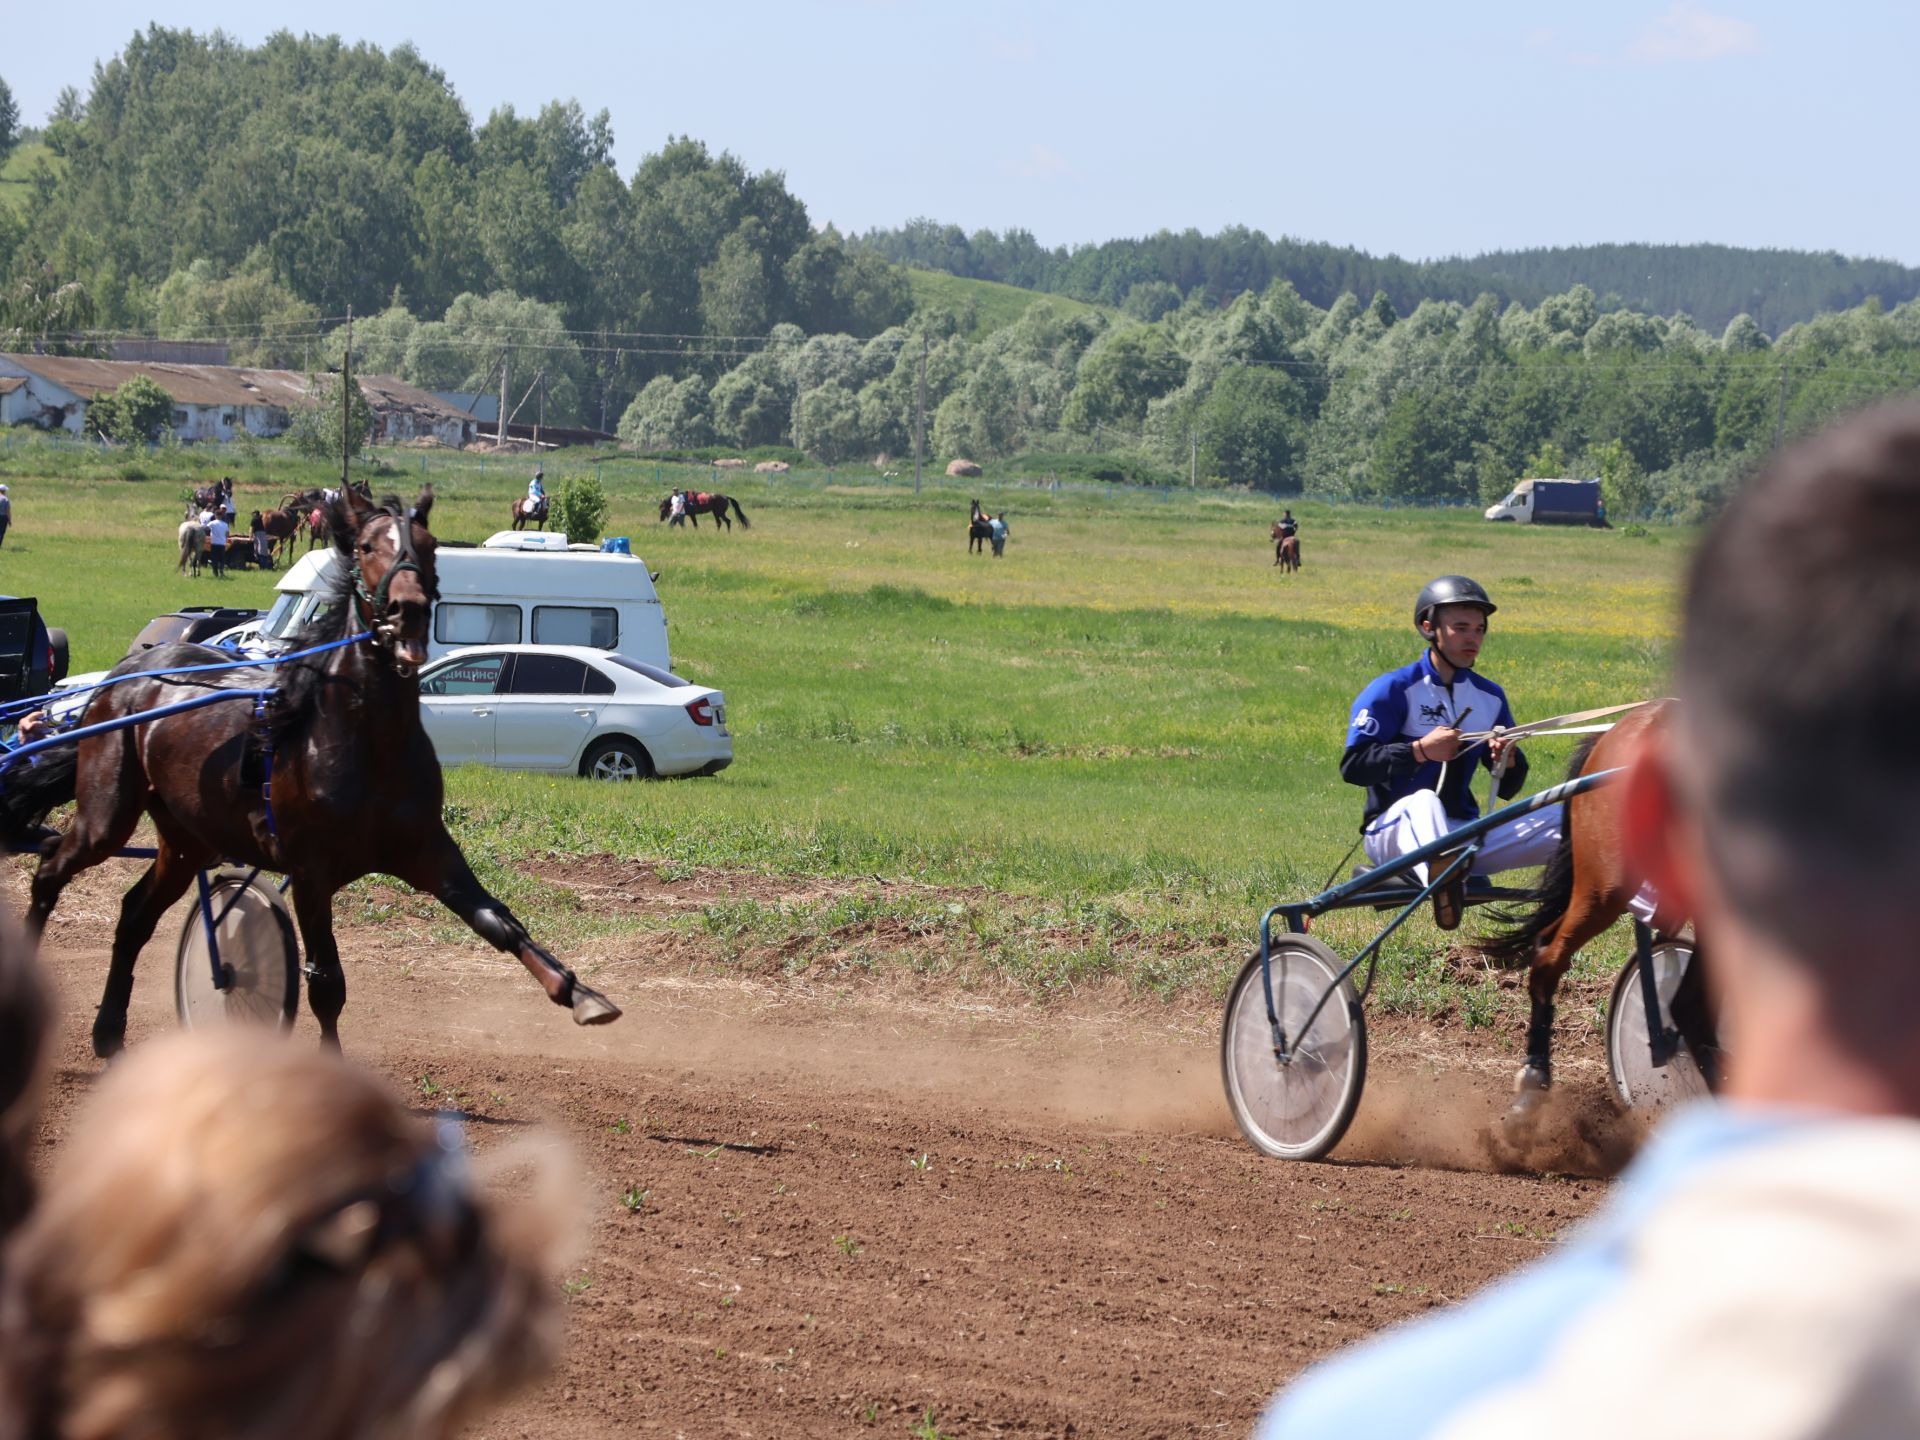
(1637, 1082)
(1297, 1110)
(258, 956)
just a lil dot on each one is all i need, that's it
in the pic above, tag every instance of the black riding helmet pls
(1450, 590)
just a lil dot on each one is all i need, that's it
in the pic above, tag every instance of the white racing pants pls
(1418, 819)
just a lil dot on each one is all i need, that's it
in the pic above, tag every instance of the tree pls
(1252, 429)
(135, 413)
(826, 423)
(316, 431)
(9, 121)
(39, 311)
(1623, 485)
(668, 415)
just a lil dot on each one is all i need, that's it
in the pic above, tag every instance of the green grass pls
(1123, 735)
(995, 305)
(15, 192)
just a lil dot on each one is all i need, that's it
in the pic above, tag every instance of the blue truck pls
(1552, 502)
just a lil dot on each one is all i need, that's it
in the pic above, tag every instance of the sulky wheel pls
(1300, 1109)
(1637, 1082)
(258, 956)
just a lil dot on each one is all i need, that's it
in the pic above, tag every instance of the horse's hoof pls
(108, 1043)
(590, 1007)
(1532, 1081)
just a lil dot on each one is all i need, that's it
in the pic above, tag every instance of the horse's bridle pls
(374, 602)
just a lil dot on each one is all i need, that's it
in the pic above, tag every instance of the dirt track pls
(858, 1204)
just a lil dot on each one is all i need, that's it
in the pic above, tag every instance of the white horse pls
(193, 540)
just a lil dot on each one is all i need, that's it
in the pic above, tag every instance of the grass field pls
(1113, 747)
(14, 190)
(996, 306)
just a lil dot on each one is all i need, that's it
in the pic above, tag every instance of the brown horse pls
(1585, 888)
(1286, 550)
(699, 503)
(526, 511)
(355, 785)
(282, 526)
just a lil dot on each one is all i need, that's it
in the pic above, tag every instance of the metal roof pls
(220, 384)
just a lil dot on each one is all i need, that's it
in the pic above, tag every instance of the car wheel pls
(616, 759)
(57, 645)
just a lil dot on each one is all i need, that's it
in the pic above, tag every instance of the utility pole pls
(346, 404)
(920, 418)
(1780, 415)
(541, 418)
(500, 434)
(1193, 461)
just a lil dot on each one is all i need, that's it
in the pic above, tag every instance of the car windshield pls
(652, 672)
(279, 622)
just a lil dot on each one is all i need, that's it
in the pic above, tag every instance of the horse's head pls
(665, 506)
(394, 582)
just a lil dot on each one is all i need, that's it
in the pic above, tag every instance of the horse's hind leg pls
(166, 881)
(1552, 958)
(443, 872)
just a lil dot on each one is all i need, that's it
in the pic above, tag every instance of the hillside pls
(14, 191)
(994, 305)
(1712, 283)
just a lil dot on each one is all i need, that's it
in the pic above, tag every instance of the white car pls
(572, 710)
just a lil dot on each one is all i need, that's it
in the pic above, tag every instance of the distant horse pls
(979, 529)
(356, 788)
(700, 503)
(281, 525)
(1584, 889)
(193, 540)
(317, 528)
(1286, 550)
(526, 511)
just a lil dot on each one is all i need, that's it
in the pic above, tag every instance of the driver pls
(1404, 745)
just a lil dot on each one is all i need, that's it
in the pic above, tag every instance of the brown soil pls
(860, 1203)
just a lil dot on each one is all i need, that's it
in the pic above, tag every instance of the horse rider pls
(1289, 527)
(537, 492)
(1404, 745)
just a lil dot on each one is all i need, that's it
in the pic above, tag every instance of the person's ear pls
(1658, 832)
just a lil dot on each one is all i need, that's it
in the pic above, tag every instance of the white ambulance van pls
(540, 592)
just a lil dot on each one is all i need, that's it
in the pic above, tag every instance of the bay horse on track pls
(979, 529)
(356, 787)
(525, 510)
(700, 503)
(1584, 889)
(1286, 550)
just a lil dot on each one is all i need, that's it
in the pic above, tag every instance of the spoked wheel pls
(258, 957)
(1637, 1082)
(1297, 1110)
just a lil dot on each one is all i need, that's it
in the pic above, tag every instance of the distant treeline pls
(1710, 283)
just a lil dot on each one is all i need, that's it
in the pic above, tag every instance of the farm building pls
(210, 402)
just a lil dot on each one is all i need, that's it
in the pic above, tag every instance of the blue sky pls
(1418, 128)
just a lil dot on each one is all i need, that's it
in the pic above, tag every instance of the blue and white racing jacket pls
(1400, 707)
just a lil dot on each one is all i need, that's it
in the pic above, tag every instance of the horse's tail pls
(1550, 898)
(30, 791)
(745, 523)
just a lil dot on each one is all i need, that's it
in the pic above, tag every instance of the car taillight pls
(701, 711)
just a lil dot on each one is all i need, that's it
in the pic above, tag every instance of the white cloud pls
(1040, 162)
(1687, 32)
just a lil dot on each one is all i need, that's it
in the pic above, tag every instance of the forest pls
(206, 189)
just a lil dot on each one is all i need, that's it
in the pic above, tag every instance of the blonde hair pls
(247, 1239)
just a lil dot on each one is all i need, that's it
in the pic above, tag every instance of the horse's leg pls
(442, 871)
(166, 881)
(326, 980)
(1586, 916)
(1693, 1018)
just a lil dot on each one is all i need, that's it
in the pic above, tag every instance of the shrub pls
(315, 431)
(133, 414)
(580, 509)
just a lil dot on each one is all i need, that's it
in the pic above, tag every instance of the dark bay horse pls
(1585, 888)
(282, 526)
(1286, 550)
(699, 503)
(979, 529)
(526, 511)
(356, 787)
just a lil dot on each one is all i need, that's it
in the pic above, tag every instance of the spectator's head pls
(248, 1239)
(23, 1032)
(1784, 810)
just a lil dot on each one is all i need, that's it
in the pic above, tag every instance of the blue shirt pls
(1412, 1380)
(1401, 706)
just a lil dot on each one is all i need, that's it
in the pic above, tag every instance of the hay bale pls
(962, 469)
(772, 467)
(732, 462)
